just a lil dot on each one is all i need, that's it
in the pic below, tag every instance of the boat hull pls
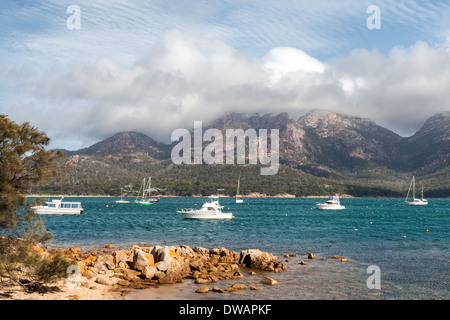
(417, 203)
(144, 203)
(206, 215)
(39, 210)
(329, 207)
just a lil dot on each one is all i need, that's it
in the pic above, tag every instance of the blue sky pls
(154, 66)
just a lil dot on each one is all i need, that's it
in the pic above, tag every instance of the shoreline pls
(143, 272)
(249, 196)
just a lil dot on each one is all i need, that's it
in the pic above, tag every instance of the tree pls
(24, 163)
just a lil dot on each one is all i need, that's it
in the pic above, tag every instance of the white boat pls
(145, 199)
(415, 201)
(121, 198)
(238, 200)
(333, 203)
(59, 207)
(210, 210)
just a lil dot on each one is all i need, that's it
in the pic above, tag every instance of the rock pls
(123, 283)
(149, 272)
(269, 281)
(256, 259)
(202, 280)
(75, 250)
(303, 262)
(203, 289)
(102, 280)
(311, 255)
(217, 289)
(109, 246)
(254, 287)
(239, 286)
(142, 259)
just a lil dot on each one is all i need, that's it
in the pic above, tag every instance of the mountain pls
(429, 148)
(125, 143)
(321, 152)
(344, 142)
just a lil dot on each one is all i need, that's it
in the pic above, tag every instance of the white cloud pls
(183, 78)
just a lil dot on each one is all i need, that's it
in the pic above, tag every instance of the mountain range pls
(325, 148)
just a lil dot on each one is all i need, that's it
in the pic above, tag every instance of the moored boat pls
(57, 206)
(333, 203)
(210, 210)
(415, 201)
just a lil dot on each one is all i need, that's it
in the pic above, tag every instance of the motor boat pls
(210, 210)
(57, 206)
(333, 203)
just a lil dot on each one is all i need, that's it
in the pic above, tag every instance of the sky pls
(81, 71)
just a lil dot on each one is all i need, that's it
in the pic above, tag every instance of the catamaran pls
(415, 201)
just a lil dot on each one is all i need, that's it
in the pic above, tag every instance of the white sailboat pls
(145, 199)
(121, 197)
(415, 201)
(238, 200)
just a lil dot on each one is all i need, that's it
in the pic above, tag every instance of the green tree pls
(24, 163)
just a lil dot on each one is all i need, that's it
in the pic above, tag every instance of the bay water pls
(409, 245)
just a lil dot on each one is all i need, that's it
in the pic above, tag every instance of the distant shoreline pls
(249, 196)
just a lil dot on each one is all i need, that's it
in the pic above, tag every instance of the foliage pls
(24, 163)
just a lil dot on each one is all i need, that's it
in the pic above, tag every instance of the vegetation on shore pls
(25, 163)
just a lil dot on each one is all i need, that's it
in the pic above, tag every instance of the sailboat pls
(145, 199)
(238, 200)
(415, 201)
(121, 197)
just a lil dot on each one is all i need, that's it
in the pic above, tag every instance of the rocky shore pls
(110, 273)
(119, 271)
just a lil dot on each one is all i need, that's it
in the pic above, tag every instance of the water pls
(409, 244)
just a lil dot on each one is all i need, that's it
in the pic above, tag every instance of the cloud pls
(183, 78)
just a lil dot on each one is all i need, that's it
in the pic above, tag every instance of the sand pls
(88, 290)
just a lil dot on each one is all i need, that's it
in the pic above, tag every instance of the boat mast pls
(410, 184)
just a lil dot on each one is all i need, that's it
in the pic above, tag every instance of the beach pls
(112, 273)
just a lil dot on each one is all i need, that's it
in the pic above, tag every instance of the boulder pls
(311, 255)
(142, 259)
(269, 281)
(203, 289)
(256, 259)
(149, 272)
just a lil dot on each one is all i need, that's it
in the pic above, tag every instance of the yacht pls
(57, 206)
(238, 200)
(121, 198)
(210, 210)
(415, 201)
(333, 203)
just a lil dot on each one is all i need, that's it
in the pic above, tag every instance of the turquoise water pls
(410, 245)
